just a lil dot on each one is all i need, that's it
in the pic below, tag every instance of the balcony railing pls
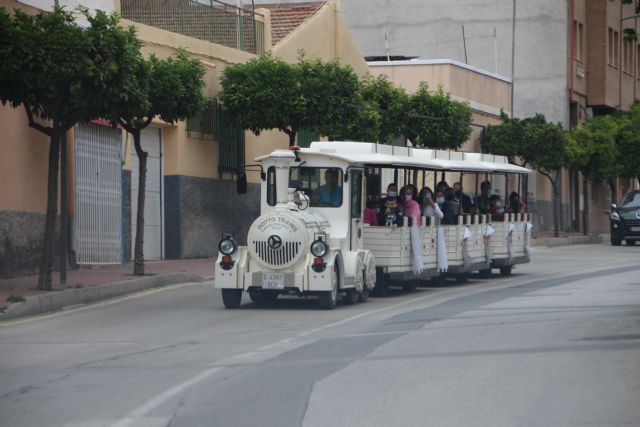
(209, 20)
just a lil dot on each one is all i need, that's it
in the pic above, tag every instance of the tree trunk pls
(46, 255)
(585, 206)
(138, 257)
(556, 209)
(556, 198)
(613, 186)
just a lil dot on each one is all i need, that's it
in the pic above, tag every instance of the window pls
(638, 61)
(271, 186)
(614, 46)
(356, 193)
(323, 186)
(627, 56)
(579, 41)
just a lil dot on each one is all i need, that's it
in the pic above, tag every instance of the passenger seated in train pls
(442, 186)
(371, 212)
(392, 191)
(430, 208)
(391, 216)
(496, 208)
(465, 201)
(450, 208)
(515, 205)
(482, 201)
(410, 208)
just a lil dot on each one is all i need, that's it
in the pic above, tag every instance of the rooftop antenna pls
(386, 46)
(495, 50)
(464, 45)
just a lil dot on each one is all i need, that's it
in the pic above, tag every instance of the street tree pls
(531, 142)
(435, 120)
(628, 143)
(592, 150)
(61, 73)
(170, 89)
(269, 93)
(378, 92)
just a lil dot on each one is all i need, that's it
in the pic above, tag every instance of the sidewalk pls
(94, 283)
(547, 239)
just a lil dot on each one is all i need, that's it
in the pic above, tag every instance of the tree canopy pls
(269, 93)
(61, 73)
(434, 120)
(592, 148)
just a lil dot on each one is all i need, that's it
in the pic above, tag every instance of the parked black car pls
(625, 219)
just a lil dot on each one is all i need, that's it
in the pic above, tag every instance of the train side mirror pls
(241, 183)
(373, 184)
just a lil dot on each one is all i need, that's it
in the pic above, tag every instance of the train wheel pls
(328, 299)
(485, 274)
(231, 297)
(351, 296)
(364, 295)
(382, 285)
(506, 270)
(410, 286)
(462, 278)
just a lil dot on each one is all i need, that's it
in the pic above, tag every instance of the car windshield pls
(323, 186)
(631, 200)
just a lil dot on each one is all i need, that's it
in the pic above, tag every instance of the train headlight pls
(227, 246)
(319, 248)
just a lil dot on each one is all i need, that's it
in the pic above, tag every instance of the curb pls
(54, 301)
(552, 242)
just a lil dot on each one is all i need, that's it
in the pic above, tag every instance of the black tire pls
(351, 296)
(630, 242)
(410, 286)
(364, 295)
(485, 274)
(327, 300)
(382, 285)
(506, 270)
(231, 297)
(616, 241)
(462, 278)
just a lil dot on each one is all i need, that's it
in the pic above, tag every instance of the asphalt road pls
(556, 344)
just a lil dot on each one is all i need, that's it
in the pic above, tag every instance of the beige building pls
(190, 195)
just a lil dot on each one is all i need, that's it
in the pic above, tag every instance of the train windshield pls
(323, 186)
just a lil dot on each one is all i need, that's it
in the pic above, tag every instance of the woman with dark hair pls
(450, 208)
(515, 205)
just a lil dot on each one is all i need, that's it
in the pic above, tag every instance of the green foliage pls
(449, 132)
(379, 92)
(60, 71)
(169, 88)
(592, 148)
(533, 140)
(264, 93)
(628, 142)
(505, 139)
(268, 93)
(15, 298)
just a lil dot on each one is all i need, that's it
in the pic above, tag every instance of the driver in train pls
(331, 192)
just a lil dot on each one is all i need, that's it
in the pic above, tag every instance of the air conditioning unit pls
(580, 72)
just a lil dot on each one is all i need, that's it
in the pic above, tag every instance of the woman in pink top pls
(370, 213)
(411, 207)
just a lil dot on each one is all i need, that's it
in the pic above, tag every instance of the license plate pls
(635, 228)
(273, 280)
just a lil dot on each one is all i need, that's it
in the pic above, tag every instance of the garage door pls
(98, 174)
(151, 140)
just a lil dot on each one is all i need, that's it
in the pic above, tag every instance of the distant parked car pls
(625, 219)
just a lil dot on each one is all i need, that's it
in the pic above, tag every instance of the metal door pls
(151, 141)
(98, 175)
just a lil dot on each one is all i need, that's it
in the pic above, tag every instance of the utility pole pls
(513, 54)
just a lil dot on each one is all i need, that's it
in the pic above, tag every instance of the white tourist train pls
(311, 238)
